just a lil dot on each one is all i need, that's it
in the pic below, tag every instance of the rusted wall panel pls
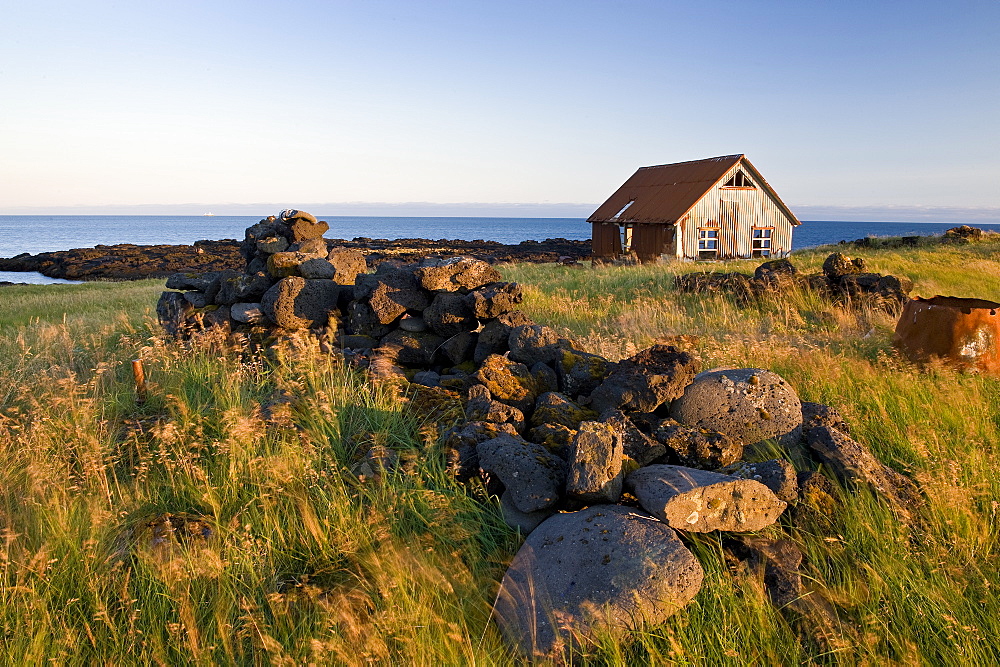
(606, 240)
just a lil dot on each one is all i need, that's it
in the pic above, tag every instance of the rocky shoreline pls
(128, 261)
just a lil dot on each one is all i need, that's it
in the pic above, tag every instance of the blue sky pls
(843, 106)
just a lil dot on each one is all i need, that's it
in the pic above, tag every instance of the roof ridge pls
(734, 157)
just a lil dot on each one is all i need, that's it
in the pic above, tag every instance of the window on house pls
(708, 243)
(624, 208)
(761, 243)
(739, 180)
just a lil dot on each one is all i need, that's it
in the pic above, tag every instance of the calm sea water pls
(44, 233)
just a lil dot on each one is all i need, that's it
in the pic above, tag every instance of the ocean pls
(44, 233)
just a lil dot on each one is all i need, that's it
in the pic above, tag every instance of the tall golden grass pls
(280, 555)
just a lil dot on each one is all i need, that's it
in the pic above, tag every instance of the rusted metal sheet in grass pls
(964, 333)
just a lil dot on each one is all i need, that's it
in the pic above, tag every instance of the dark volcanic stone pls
(495, 299)
(603, 570)
(533, 475)
(646, 380)
(450, 314)
(697, 447)
(297, 303)
(457, 273)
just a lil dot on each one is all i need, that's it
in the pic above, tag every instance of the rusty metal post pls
(140, 381)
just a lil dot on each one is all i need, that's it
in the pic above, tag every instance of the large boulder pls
(646, 380)
(391, 291)
(297, 303)
(595, 464)
(605, 569)
(700, 501)
(532, 474)
(750, 405)
(456, 273)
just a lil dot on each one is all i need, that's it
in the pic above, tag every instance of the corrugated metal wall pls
(605, 239)
(736, 211)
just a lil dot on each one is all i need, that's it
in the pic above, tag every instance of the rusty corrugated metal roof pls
(664, 193)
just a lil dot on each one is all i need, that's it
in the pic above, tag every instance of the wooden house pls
(719, 208)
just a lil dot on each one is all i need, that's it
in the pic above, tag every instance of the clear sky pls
(839, 104)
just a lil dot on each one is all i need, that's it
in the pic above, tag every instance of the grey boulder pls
(297, 303)
(606, 569)
(700, 501)
(534, 476)
(750, 405)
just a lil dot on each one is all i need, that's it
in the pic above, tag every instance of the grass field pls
(299, 563)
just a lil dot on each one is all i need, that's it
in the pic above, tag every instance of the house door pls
(729, 218)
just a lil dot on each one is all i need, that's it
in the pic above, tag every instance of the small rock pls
(697, 447)
(316, 268)
(817, 414)
(495, 333)
(522, 521)
(636, 445)
(248, 313)
(533, 475)
(413, 324)
(460, 446)
(494, 300)
(776, 474)
(595, 464)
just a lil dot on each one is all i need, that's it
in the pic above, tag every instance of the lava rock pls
(818, 414)
(522, 521)
(460, 445)
(554, 408)
(700, 501)
(636, 445)
(413, 349)
(838, 265)
(603, 569)
(533, 475)
(495, 299)
(317, 268)
(248, 313)
(697, 447)
(776, 474)
(297, 303)
(508, 382)
(595, 464)
(646, 380)
(246, 287)
(495, 333)
(580, 373)
(750, 405)
(453, 274)
(534, 343)
(450, 314)
(853, 462)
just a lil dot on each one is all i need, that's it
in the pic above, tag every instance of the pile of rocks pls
(604, 465)
(843, 279)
